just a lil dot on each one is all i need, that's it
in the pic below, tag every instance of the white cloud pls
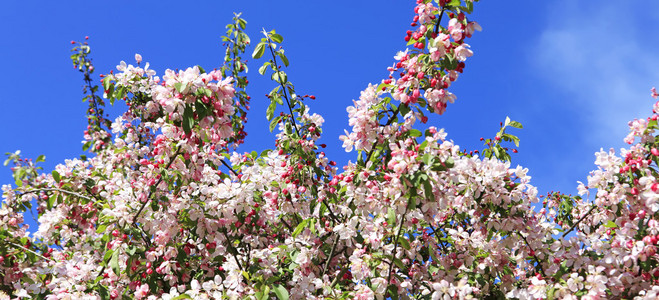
(601, 54)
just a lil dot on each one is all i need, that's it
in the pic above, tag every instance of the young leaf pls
(270, 112)
(277, 38)
(404, 243)
(263, 68)
(300, 227)
(188, 119)
(515, 124)
(281, 292)
(274, 122)
(114, 263)
(258, 52)
(56, 176)
(283, 57)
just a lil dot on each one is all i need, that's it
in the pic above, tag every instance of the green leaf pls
(101, 228)
(415, 132)
(51, 201)
(41, 158)
(270, 112)
(114, 263)
(393, 291)
(411, 202)
(102, 291)
(403, 109)
(263, 68)
(283, 57)
(179, 87)
(610, 224)
(515, 124)
(449, 162)
(399, 263)
(56, 176)
(427, 159)
(497, 151)
(274, 122)
(182, 296)
(281, 292)
(427, 189)
(277, 38)
(108, 255)
(266, 292)
(188, 119)
(119, 92)
(512, 138)
(300, 227)
(391, 216)
(280, 77)
(258, 52)
(404, 243)
(20, 174)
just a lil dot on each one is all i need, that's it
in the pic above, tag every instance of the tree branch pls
(579, 221)
(148, 198)
(331, 255)
(57, 190)
(19, 247)
(393, 255)
(539, 264)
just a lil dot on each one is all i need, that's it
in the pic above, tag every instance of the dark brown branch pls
(579, 221)
(539, 264)
(229, 167)
(148, 199)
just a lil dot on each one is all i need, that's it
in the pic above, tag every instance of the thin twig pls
(229, 167)
(336, 219)
(19, 247)
(148, 199)
(393, 255)
(229, 243)
(281, 83)
(533, 252)
(389, 122)
(336, 279)
(439, 20)
(434, 232)
(331, 254)
(57, 190)
(579, 221)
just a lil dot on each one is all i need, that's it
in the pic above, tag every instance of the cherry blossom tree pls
(164, 206)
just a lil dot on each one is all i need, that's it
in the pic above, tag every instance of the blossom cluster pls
(165, 210)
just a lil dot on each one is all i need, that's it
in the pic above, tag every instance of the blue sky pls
(573, 72)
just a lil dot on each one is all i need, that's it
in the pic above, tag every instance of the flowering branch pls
(19, 247)
(393, 255)
(281, 81)
(56, 190)
(148, 198)
(538, 262)
(331, 254)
